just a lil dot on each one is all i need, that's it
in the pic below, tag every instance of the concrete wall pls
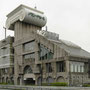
(6, 60)
(23, 30)
(42, 87)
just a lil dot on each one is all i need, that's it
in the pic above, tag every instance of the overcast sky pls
(69, 18)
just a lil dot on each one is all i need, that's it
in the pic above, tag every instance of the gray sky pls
(69, 18)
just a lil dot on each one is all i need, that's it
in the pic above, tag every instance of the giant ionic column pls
(24, 21)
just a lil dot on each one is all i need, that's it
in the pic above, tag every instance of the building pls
(40, 56)
(7, 60)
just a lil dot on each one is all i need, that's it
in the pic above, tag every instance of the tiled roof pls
(72, 49)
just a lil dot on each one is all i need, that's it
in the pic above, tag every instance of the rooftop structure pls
(48, 34)
(27, 15)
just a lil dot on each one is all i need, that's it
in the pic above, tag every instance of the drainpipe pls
(5, 31)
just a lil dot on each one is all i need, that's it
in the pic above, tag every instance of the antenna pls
(35, 6)
(5, 31)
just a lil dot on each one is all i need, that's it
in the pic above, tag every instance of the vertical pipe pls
(5, 31)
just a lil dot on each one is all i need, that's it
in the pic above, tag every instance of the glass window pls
(82, 68)
(28, 70)
(48, 67)
(72, 69)
(77, 67)
(29, 46)
(60, 66)
(45, 53)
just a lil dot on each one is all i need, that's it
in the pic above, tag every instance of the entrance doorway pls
(29, 76)
(29, 81)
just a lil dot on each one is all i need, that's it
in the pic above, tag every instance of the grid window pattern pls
(77, 67)
(48, 67)
(45, 53)
(60, 66)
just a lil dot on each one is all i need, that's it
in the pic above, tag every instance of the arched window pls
(50, 79)
(27, 70)
(60, 79)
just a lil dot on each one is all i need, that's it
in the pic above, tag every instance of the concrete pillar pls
(36, 57)
(55, 71)
(15, 80)
(21, 80)
(67, 66)
(67, 69)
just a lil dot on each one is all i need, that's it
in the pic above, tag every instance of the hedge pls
(55, 84)
(86, 85)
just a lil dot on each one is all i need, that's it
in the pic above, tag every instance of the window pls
(28, 70)
(45, 53)
(81, 69)
(77, 67)
(29, 56)
(60, 66)
(48, 68)
(72, 70)
(3, 71)
(29, 46)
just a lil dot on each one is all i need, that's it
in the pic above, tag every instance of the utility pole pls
(5, 31)
(41, 71)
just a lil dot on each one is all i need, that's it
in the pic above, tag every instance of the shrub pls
(55, 84)
(45, 84)
(59, 84)
(3, 83)
(86, 85)
(6, 83)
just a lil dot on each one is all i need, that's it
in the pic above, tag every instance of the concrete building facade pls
(7, 60)
(40, 56)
